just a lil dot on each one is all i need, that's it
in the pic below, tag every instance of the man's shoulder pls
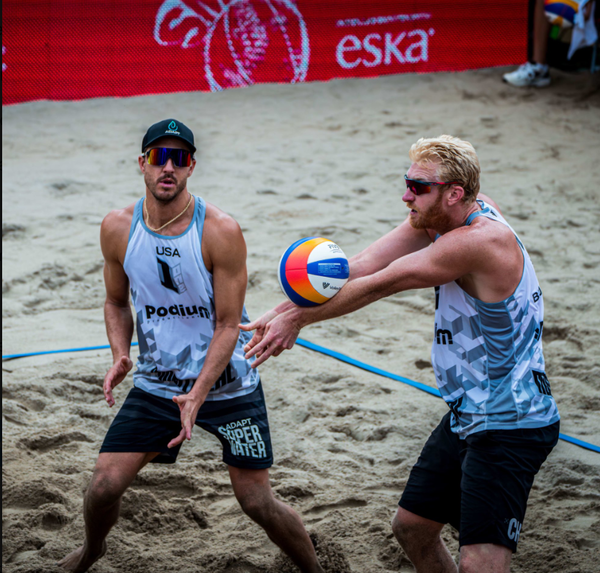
(219, 222)
(223, 241)
(485, 239)
(484, 233)
(489, 201)
(114, 230)
(119, 219)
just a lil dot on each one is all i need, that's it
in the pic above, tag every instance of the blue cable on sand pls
(368, 367)
(338, 356)
(14, 356)
(418, 385)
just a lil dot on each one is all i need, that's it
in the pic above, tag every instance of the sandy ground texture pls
(288, 162)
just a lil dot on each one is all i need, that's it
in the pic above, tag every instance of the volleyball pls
(561, 13)
(312, 270)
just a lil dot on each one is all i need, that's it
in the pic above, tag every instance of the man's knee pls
(400, 527)
(253, 492)
(106, 487)
(485, 558)
(411, 529)
(112, 476)
(257, 504)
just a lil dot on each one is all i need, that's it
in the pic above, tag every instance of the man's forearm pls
(119, 329)
(284, 306)
(218, 356)
(356, 294)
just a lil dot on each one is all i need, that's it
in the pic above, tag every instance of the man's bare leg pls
(281, 523)
(113, 474)
(421, 541)
(484, 558)
(541, 30)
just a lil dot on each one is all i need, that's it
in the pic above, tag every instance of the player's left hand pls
(188, 408)
(260, 327)
(281, 334)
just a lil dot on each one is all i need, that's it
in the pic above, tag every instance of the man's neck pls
(161, 212)
(459, 219)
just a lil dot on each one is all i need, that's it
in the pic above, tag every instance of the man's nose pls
(169, 165)
(408, 196)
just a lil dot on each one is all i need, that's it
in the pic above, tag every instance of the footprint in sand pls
(45, 443)
(32, 495)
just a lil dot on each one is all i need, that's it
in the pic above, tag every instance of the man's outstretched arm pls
(399, 242)
(452, 256)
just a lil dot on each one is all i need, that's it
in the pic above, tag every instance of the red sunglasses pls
(422, 187)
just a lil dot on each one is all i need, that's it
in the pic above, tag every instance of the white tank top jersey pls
(488, 358)
(172, 292)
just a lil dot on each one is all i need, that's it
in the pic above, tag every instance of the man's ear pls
(455, 194)
(142, 162)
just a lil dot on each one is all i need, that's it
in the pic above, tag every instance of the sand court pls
(288, 161)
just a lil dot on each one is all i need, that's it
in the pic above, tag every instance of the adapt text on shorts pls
(245, 438)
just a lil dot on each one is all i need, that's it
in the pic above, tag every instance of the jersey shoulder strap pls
(485, 210)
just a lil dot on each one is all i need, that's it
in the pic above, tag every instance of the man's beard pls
(433, 218)
(153, 186)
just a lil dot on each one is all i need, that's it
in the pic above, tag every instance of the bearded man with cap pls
(184, 262)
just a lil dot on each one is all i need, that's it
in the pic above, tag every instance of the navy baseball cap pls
(168, 128)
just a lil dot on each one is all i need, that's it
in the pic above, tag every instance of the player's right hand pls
(115, 376)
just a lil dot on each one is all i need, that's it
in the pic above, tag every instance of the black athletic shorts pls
(147, 423)
(479, 485)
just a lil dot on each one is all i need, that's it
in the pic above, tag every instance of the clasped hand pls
(273, 334)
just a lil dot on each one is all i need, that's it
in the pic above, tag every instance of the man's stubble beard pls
(152, 185)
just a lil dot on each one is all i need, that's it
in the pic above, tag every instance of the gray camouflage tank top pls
(488, 358)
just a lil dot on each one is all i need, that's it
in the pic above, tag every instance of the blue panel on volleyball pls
(334, 268)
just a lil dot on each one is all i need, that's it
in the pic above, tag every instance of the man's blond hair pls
(456, 158)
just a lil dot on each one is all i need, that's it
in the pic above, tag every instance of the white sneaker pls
(536, 75)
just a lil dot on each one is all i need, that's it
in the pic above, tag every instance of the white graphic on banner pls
(383, 19)
(258, 34)
(4, 66)
(383, 49)
(387, 48)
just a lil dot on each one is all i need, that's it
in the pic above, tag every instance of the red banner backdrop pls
(75, 49)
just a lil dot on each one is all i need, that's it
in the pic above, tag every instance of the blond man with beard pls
(477, 468)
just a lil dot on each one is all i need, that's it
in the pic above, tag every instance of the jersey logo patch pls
(542, 382)
(455, 405)
(443, 336)
(171, 277)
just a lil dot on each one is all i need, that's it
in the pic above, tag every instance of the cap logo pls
(172, 128)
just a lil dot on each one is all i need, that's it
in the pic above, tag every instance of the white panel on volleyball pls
(324, 251)
(325, 282)
(326, 286)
